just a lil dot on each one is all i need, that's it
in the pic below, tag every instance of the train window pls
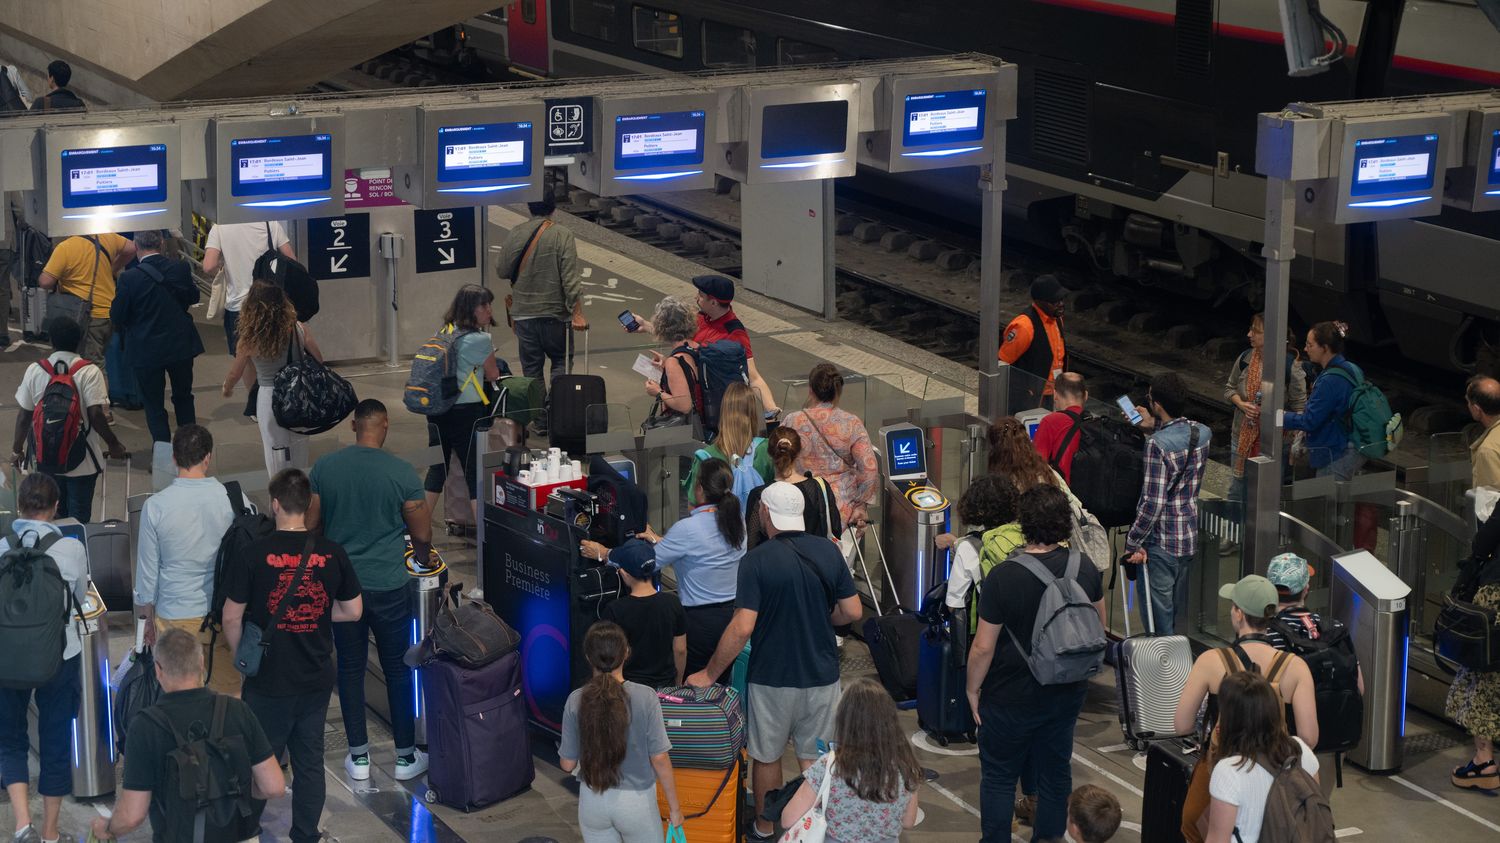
(727, 46)
(528, 11)
(799, 52)
(594, 18)
(658, 31)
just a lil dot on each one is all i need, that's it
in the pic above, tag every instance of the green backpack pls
(995, 547)
(1373, 429)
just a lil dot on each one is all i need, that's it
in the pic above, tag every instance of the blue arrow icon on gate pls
(903, 449)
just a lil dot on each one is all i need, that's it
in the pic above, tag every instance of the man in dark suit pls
(150, 311)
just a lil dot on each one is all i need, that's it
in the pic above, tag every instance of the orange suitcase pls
(710, 801)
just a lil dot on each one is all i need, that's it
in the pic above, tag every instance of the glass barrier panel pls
(10, 481)
(1446, 482)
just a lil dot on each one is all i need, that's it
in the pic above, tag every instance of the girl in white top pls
(1253, 741)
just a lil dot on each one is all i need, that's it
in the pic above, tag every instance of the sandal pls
(1472, 776)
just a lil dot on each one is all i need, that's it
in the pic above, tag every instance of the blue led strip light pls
(798, 165)
(658, 176)
(1389, 203)
(483, 188)
(119, 215)
(283, 203)
(941, 153)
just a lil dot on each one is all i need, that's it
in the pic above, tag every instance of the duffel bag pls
(470, 633)
(308, 397)
(1465, 636)
(706, 726)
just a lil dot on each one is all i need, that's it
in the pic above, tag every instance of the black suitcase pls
(1169, 769)
(894, 642)
(576, 408)
(942, 701)
(478, 746)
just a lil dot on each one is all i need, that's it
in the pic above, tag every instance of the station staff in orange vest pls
(1033, 343)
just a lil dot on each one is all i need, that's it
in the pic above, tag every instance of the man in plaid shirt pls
(1165, 532)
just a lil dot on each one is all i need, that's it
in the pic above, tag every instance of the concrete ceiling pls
(202, 49)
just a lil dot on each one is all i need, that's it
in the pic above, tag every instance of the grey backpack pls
(34, 604)
(1067, 640)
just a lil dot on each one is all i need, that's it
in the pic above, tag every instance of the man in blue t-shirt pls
(368, 501)
(793, 589)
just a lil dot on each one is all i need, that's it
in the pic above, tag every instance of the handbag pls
(253, 640)
(218, 293)
(308, 397)
(1465, 637)
(1090, 537)
(470, 634)
(68, 306)
(813, 826)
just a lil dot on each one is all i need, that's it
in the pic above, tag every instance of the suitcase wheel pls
(942, 740)
(430, 796)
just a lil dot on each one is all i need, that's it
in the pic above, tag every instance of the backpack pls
(208, 778)
(1108, 469)
(245, 529)
(746, 477)
(34, 606)
(11, 88)
(1296, 810)
(292, 277)
(33, 250)
(433, 385)
(1067, 638)
(995, 546)
(1373, 429)
(136, 691)
(59, 438)
(1335, 671)
(720, 363)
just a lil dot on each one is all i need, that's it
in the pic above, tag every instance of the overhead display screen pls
(487, 151)
(669, 139)
(114, 175)
(294, 164)
(1393, 165)
(804, 128)
(1495, 158)
(944, 117)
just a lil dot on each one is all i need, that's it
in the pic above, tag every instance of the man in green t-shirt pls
(369, 501)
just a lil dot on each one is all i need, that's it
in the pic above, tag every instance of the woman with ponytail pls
(704, 549)
(821, 513)
(614, 737)
(1329, 449)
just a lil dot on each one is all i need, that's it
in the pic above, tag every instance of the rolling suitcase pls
(706, 726)
(576, 407)
(1169, 768)
(479, 751)
(894, 642)
(34, 314)
(119, 373)
(710, 803)
(1150, 672)
(107, 539)
(942, 702)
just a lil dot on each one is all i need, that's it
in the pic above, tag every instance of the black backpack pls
(10, 95)
(719, 363)
(208, 778)
(1335, 670)
(34, 605)
(291, 276)
(139, 690)
(1109, 468)
(33, 250)
(246, 529)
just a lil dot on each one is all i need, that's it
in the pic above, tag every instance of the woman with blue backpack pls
(1330, 451)
(468, 323)
(736, 444)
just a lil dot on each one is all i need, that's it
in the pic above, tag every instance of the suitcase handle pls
(104, 491)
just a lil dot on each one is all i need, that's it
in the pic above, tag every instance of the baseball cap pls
(1252, 594)
(785, 504)
(1289, 571)
(715, 286)
(1047, 288)
(635, 557)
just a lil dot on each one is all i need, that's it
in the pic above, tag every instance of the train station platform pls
(1417, 803)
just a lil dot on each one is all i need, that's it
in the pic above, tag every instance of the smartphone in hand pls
(629, 321)
(1127, 407)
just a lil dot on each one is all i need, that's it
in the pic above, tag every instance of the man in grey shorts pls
(792, 591)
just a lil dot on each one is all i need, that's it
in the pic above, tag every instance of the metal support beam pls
(993, 389)
(1264, 482)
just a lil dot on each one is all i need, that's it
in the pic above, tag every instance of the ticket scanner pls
(1374, 603)
(916, 513)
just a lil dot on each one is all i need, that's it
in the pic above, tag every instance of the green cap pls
(1252, 594)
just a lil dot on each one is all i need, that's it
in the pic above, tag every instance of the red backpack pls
(59, 439)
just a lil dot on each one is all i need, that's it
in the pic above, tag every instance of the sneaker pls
(407, 770)
(753, 832)
(1473, 776)
(357, 768)
(29, 834)
(1229, 549)
(64, 837)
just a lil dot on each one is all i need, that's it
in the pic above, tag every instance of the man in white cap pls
(793, 589)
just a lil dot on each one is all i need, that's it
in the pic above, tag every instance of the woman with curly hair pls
(1012, 454)
(269, 337)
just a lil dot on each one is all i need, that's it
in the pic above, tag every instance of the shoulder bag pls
(72, 307)
(253, 640)
(308, 397)
(813, 826)
(512, 271)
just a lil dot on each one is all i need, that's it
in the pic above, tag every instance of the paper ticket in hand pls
(645, 366)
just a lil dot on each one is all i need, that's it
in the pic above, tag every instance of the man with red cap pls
(1033, 344)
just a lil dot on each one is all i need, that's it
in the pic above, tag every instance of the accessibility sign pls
(338, 247)
(569, 124)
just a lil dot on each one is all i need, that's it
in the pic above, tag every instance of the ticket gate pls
(93, 744)
(915, 514)
(1373, 601)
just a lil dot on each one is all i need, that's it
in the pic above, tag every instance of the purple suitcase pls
(478, 747)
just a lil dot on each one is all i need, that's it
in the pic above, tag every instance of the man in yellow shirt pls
(85, 267)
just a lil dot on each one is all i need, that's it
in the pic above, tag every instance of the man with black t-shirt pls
(654, 622)
(289, 694)
(793, 589)
(184, 701)
(1018, 716)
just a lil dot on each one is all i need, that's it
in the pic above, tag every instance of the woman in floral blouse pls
(835, 445)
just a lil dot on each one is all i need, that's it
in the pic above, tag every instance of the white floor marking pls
(1348, 832)
(954, 798)
(1107, 774)
(1441, 801)
(586, 271)
(1114, 747)
(103, 811)
(1130, 826)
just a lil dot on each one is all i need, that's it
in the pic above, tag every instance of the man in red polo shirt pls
(716, 321)
(1070, 394)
